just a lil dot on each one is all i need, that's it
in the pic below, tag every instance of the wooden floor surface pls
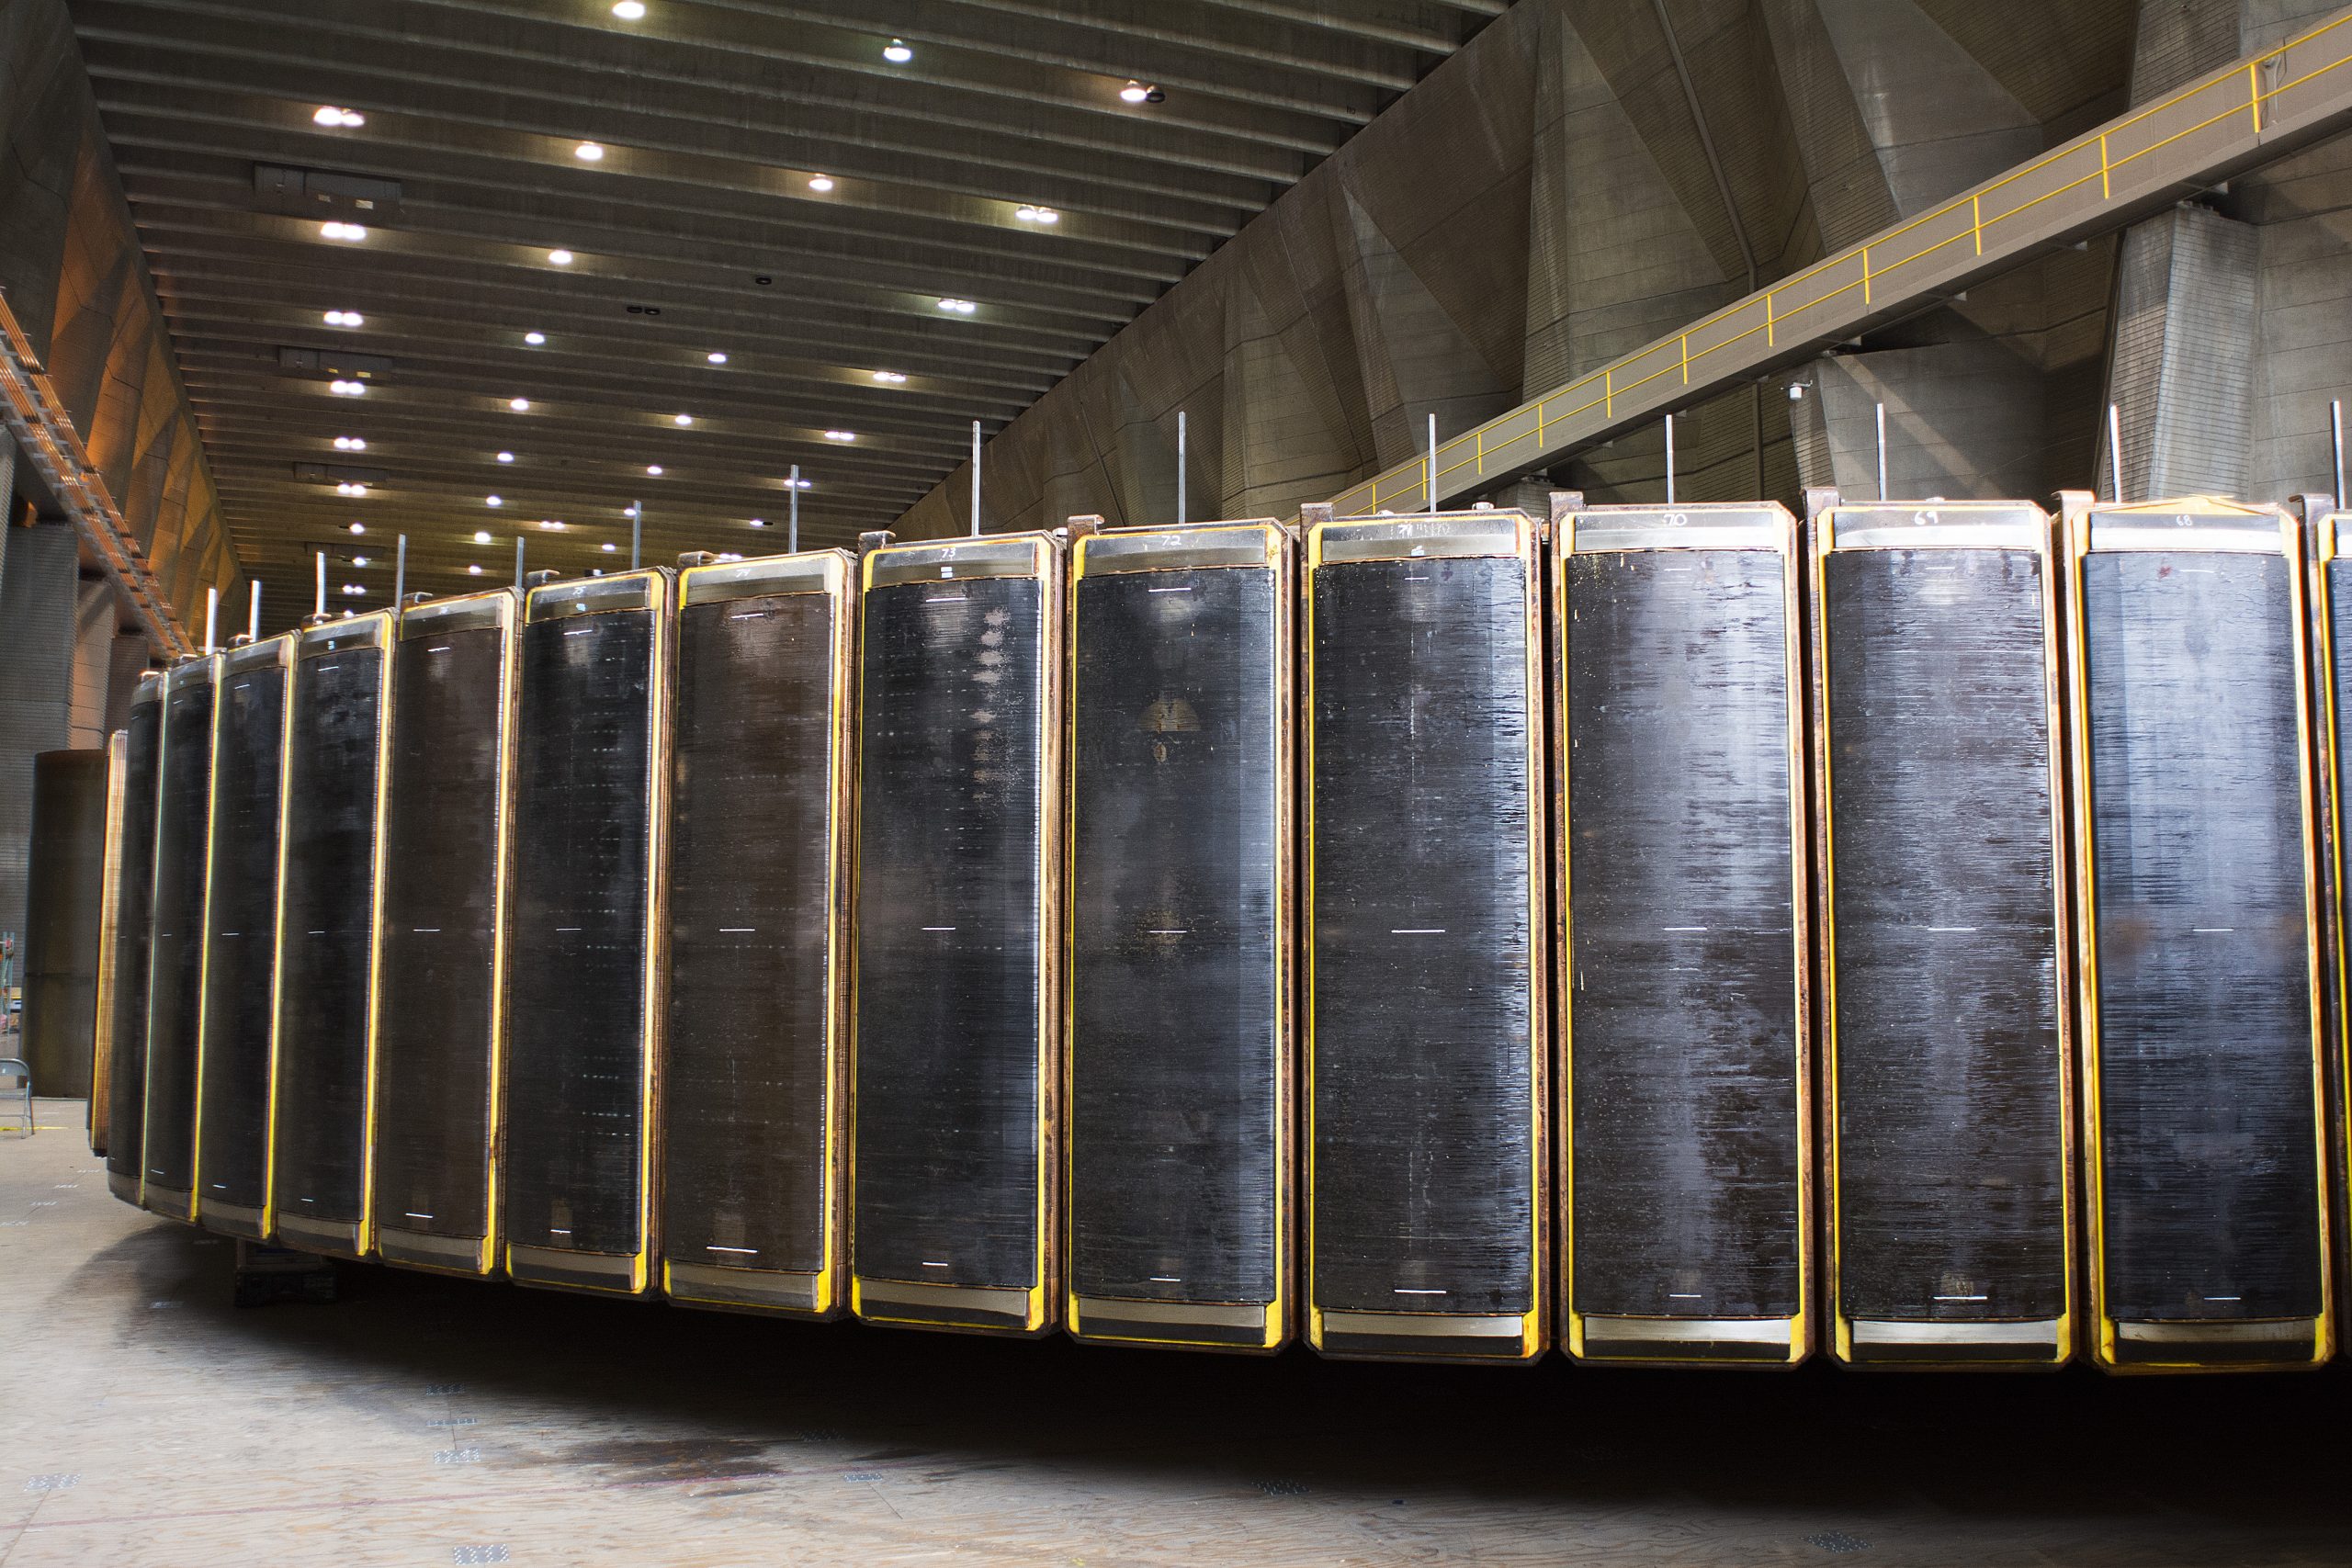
(146, 1420)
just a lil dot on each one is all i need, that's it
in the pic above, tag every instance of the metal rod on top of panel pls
(1180, 468)
(1670, 459)
(212, 607)
(792, 518)
(519, 563)
(2336, 442)
(319, 596)
(253, 614)
(2115, 453)
(400, 573)
(1433, 484)
(635, 532)
(1882, 450)
(975, 479)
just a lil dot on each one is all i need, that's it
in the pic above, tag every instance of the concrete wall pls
(1585, 175)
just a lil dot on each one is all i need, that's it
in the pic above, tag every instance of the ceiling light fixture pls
(588, 152)
(494, 501)
(348, 488)
(890, 378)
(359, 527)
(353, 588)
(629, 10)
(535, 339)
(481, 535)
(331, 114)
(820, 183)
(345, 319)
(800, 484)
(347, 389)
(715, 358)
(653, 469)
(359, 561)
(1135, 91)
(551, 523)
(560, 258)
(1037, 215)
(682, 419)
(841, 435)
(610, 546)
(349, 443)
(520, 405)
(629, 511)
(474, 570)
(336, 230)
(759, 521)
(961, 307)
(897, 52)
(506, 457)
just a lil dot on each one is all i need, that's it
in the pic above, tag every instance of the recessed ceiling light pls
(535, 339)
(349, 443)
(336, 230)
(359, 561)
(345, 319)
(347, 389)
(897, 52)
(820, 183)
(551, 523)
(329, 115)
(961, 307)
(474, 570)
(359, 527)
(715, 358)
(610, 546)
(759, 521)
(481, 535)
(588, 152)
(629, 10)
(560, 258)
(506, 457)
(520, 405)
(682, 419)
(841, 435)
(890, 378)
(353, 588)
(1037, 215)
(348, 488)
(653, 469)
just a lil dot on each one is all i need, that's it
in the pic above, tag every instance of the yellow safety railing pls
(1601, 389)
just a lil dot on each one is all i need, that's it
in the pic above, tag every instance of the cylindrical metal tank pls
(66, 883)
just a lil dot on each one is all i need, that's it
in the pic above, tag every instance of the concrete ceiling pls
(696, 233)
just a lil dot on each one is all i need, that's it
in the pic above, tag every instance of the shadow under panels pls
(1181, 847)
(1428, 1177)
(131, 868)
(1945, 960)
(337, 730)
(755, 1069)
(176, 982)
(1685, 1096)
(242, 937)
(2196, 877)
(583, 1064)
(959, 1002)
(441, 1014)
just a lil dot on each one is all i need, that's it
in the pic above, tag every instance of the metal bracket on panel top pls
(1565, 502)
(875, 539)
(1819, 499)
(1080, 524)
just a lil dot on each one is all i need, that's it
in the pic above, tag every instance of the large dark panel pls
(134, 931)
(439, 1019)
(1425, 1052)
(753, 1118)
(1951, 1158)
(1684, 1018)
(333, 797)
(175, 986)
(2207, 1151)
(580, 1064)
(1179, 1108)
(241, 953)
(954, 1021)
(65, 886)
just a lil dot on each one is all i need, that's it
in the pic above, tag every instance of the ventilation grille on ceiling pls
(334, 362)
(320, 193)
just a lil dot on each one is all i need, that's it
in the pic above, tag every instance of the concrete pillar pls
(1964, 421)
(2182, 363)
(61, 936)
(37, 603)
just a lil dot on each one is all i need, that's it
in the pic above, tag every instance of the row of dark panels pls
(1680, 935)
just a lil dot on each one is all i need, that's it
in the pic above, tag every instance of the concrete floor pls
(143, 1419)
